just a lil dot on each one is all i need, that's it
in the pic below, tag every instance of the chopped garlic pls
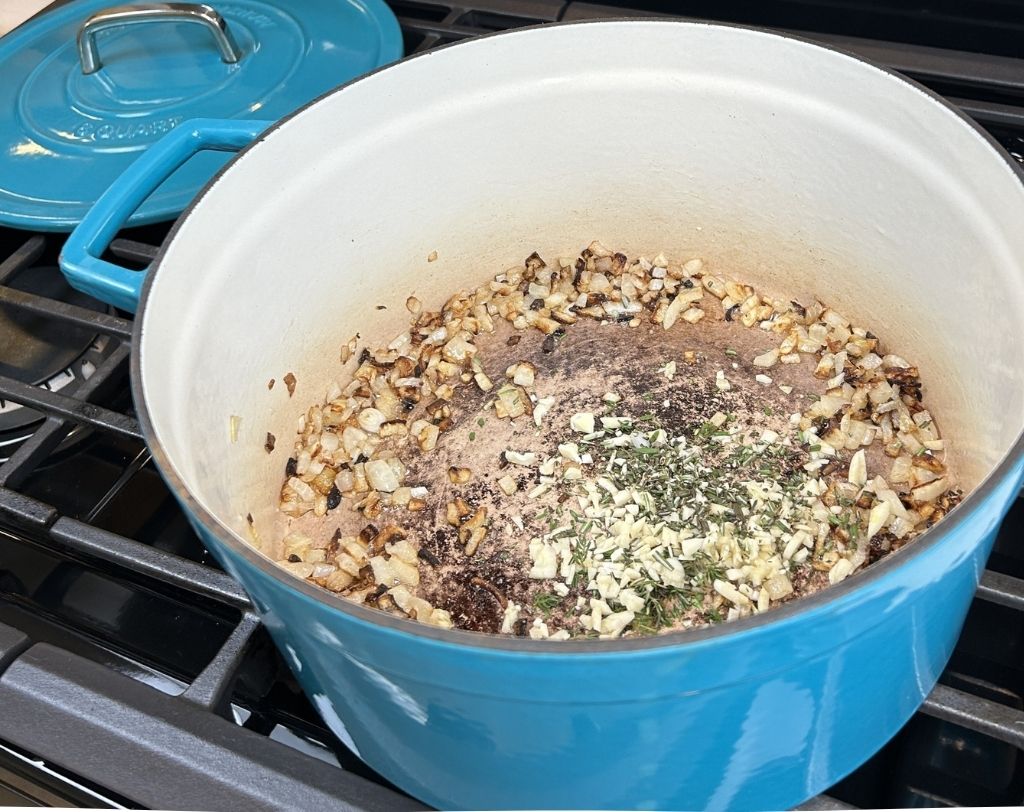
(613, 625)
(858, 474)
(730, 593)
(840, 570)
(583, 422)
(508, 621)
(382, 476)
(539, 491)
(570, 451)
(541, 408)
(521, 458)
(879, 516)
(545, 561)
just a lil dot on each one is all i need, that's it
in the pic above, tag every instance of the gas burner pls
(44, 352)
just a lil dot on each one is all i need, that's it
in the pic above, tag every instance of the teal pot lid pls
(79, 103)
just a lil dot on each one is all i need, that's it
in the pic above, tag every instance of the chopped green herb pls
(546, 602)
(472, 435)
(480, 422)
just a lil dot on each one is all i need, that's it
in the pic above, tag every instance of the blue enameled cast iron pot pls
(776, 160)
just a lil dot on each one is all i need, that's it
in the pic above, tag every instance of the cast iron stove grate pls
(133, 671)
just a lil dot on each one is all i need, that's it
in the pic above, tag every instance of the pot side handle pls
(80, 260)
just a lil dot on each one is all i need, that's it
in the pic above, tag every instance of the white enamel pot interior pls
(783, 164)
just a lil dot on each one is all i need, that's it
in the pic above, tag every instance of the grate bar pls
(430, 41)
(118, 733)
(134, 250)
(439, 28)
(49, 435)
(923, 62)
(23, 256)
(23, 511)
(541, 10)
(210, 689)
(982, 715)
(165, 567)
(507, 11)
(986, 112)
(12, 643)
(72, 314)
(460, 22)
(959, 67)
(1002, 589)
(70, 408)
(32, 451)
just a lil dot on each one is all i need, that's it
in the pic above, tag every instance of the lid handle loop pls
(154, 12)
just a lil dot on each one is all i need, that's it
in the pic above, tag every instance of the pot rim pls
(507, 644)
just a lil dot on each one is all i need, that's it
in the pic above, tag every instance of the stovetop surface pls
(107, 594)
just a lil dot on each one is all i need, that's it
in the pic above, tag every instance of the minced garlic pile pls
(616, 520)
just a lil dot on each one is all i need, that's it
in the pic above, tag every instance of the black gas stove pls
(133, 671)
